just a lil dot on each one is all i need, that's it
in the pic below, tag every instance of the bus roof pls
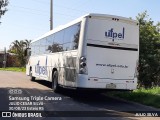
(61, 27)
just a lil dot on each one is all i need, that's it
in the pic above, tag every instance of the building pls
(8, 57)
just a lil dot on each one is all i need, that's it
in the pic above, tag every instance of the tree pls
(3, 4)
(149, 61)
(18, 47)
(27, 43)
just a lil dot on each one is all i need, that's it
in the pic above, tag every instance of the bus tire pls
(31, 77)
(55, 85)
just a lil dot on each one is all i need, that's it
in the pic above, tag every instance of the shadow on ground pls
(75, 103)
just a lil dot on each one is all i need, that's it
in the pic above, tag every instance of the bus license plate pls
(111, 86)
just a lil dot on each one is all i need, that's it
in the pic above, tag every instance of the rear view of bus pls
(109, 53)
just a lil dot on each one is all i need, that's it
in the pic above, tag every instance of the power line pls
(42, 2)
(30, 9)
(30, 12)
(59, 6)
(45, 11)
(69, 8)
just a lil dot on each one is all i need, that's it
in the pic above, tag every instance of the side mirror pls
(27, 52)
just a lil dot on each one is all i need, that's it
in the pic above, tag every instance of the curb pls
(132, 102)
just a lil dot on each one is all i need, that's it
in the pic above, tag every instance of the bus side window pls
(67, 40)
(75, 40)
(58, 42)
(56, 47)
(42, 46)
(66, 46)
(59, 37)
(49, 43)
(32, 48)
(71, 37)
(36, 49)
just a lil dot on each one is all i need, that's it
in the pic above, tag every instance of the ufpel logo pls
(112, 34)
(41, 70)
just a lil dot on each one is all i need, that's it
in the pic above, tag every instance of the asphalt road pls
(75, 104)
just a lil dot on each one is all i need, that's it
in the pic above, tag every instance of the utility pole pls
(51, 15)
(5, 58)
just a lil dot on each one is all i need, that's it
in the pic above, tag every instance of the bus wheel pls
(31, 77)
(55, 85)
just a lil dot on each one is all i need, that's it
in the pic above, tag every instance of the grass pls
(15, 69)
(150, 97)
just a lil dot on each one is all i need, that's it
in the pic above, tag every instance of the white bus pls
(95, 51)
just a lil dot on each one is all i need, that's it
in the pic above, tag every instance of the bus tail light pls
(82, 71)
(82, 59)
(82, 66)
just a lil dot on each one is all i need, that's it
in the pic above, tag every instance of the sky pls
(29, 19)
